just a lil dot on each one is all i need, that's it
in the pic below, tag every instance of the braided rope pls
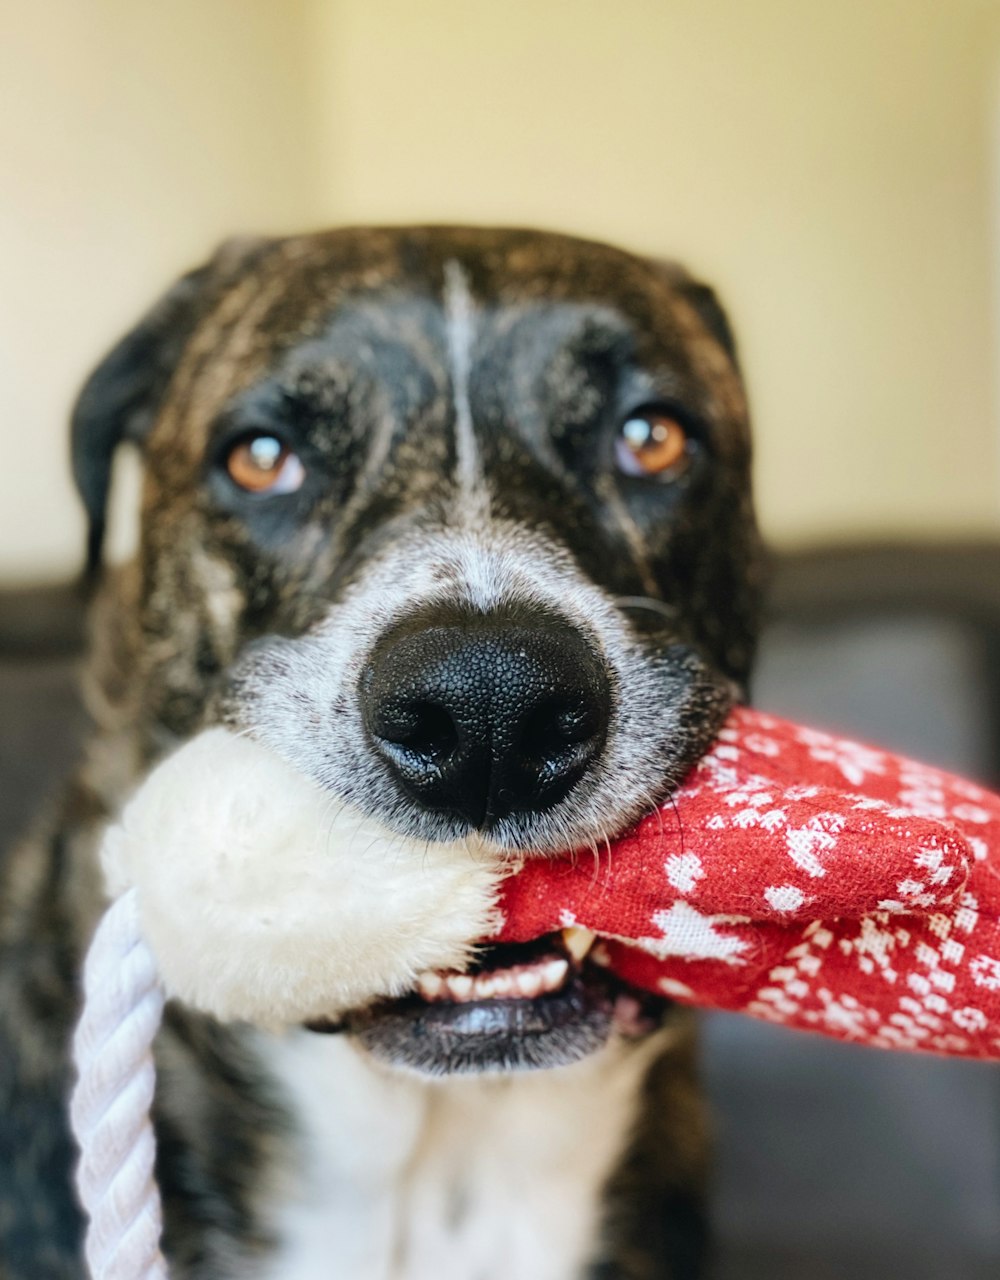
(110, 1108)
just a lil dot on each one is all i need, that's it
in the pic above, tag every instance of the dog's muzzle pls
(483, 716)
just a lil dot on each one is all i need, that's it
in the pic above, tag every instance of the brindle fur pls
(211, 577)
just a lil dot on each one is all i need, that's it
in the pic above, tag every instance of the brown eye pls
(262, 464)
(650, 444)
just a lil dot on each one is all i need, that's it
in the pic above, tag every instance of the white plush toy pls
(244, 890)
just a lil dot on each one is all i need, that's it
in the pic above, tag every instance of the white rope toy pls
(110, 1110)
(238, 889)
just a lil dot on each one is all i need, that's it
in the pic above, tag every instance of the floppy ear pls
(713, 315)
(704, 301)
(120, 399)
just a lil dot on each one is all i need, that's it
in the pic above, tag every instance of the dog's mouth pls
(517, 1007)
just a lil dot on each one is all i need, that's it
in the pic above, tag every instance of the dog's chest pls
(395, 1178)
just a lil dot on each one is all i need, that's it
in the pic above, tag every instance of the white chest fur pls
(471, 1178)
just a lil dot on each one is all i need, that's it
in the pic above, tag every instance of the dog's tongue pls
(802, 878)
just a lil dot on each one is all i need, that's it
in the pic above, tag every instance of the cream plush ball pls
(264, 899)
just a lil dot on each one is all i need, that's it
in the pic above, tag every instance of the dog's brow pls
(459, 310)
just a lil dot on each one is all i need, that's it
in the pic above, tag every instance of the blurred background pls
(832, 167)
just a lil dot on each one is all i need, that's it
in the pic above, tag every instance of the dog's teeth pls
(430, 985)
(578, 941)
(519, 982)
(553, 974)
(529, 984)
(459, 986)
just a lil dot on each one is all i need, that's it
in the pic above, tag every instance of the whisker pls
(680, 823)
(606, 841)
(245, 732)
(333, 809)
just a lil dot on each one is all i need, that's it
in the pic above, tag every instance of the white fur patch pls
(467, 1178)
(266, 899)
(474, 504)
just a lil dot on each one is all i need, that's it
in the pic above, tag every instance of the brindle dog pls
(462, 519)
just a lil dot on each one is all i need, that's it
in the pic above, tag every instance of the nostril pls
(557, 741)
(549, 728)
(577, 723)
(423, 727)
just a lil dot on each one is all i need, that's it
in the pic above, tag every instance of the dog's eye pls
(262, 464)
(651, 444)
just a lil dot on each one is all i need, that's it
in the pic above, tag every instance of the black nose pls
(483, 716)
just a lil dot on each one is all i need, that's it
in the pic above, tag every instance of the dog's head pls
(457, 521)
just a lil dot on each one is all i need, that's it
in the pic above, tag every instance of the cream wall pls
(827, 164)
(133, 136)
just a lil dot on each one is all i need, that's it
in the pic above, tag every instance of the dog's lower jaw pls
(391, 1177)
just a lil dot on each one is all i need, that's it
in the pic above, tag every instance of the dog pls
(460, 520)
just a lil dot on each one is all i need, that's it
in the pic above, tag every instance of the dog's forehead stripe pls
(460, 327)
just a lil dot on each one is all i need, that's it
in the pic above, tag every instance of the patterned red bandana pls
(804, 879)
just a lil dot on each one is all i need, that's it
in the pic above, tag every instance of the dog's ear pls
(713, 315)
(121, 398)
(704, 301)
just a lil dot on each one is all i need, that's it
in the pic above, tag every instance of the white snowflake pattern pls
(854, 760)
(688, 933)
(784, 897)
(985, 972)
(684, 870)
(819, 835)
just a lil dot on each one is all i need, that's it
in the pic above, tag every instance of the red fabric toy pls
(803, 879)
